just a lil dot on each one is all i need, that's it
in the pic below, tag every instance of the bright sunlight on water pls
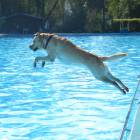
(62, 102)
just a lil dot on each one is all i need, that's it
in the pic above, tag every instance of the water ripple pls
(59, 102)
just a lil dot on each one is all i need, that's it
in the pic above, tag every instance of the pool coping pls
(78, 34)
(135, 133)
(130, 128)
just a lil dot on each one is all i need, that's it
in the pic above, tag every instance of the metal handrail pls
(128, 114)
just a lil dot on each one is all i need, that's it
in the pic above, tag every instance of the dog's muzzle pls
(32, 48)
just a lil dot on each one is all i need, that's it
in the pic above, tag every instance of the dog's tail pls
(113, 57)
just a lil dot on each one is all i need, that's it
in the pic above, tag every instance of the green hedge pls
(127, 20)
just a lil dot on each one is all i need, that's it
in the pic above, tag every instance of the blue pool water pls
(61, 102)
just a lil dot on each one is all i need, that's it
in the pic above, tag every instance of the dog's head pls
(39, 41)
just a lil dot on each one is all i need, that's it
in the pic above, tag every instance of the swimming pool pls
(61, 102)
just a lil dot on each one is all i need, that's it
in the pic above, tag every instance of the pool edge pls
(135, 133)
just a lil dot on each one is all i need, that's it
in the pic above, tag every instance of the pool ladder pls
(129, 112)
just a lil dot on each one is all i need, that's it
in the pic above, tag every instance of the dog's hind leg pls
(114, 83)
(113, 78)
(121, 83)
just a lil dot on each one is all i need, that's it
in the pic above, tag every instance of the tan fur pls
(113, 57)
(69, 53)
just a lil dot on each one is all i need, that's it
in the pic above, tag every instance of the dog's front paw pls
(35, 62)
(43, 63)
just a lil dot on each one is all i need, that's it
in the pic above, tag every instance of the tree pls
(84, 16)
(40, 5)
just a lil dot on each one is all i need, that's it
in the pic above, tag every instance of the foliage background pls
(76, 15)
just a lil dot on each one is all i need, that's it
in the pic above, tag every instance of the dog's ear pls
(39, 35)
